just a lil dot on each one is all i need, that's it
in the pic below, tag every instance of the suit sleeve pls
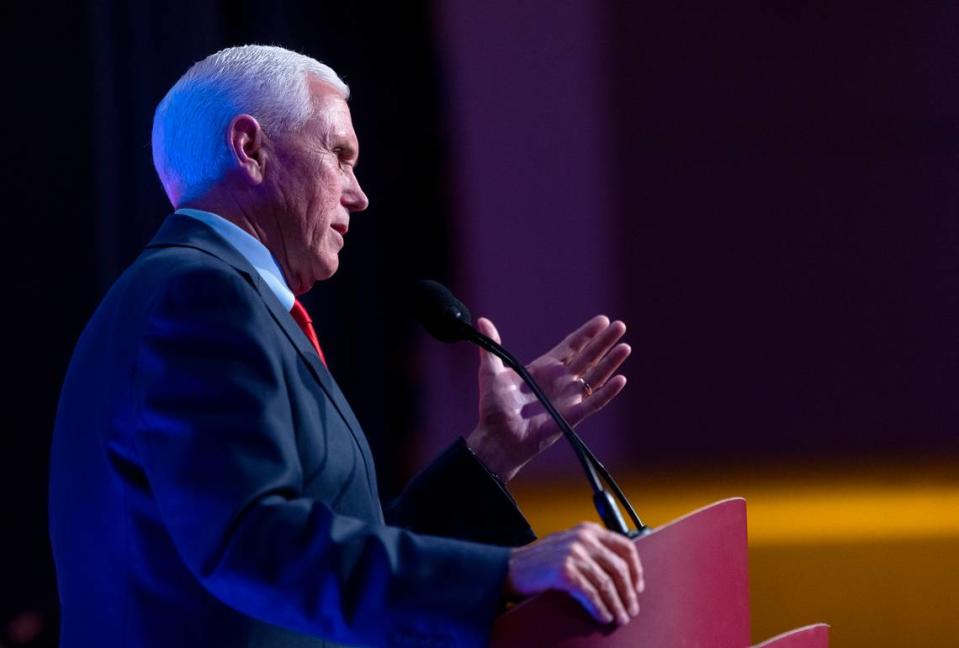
(456, 497)
(216, 441)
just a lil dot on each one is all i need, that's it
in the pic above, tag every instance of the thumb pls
(487, 328)
(488, 362)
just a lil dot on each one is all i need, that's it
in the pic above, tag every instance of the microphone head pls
(441, 314)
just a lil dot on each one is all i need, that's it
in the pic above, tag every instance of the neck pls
(229, 208)
(265, 229)
(262, 222)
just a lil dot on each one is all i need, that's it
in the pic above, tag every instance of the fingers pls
(598, 375)
(603, 559)
(575, 341)
(596, 348)
(582, 589)
(616, 566)
(626, 550)
(610, 577)
(489, 364)
(597, 401)
(487, 328)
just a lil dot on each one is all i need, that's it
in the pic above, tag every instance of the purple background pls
(765, 193)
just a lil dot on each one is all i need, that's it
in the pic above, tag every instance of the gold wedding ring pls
(587, 388)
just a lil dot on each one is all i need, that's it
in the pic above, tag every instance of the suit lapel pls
(183, 231)
(303, 346)
(306, 350)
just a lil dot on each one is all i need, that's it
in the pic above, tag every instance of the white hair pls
(190, 149)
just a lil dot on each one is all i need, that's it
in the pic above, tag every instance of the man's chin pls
(327, 270)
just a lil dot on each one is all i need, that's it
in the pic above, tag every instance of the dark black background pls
(81, 199)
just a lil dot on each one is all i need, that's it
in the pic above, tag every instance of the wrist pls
(487, 454)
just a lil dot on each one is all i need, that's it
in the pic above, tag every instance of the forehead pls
(332, 114)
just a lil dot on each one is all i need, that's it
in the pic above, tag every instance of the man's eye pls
(342, 158)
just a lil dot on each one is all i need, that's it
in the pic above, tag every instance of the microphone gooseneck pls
(447, 319)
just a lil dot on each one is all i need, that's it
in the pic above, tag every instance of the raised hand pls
(577, 375)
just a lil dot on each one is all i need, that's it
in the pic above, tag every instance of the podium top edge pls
(794, 631)
(724, 503)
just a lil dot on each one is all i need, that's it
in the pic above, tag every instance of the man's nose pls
(354, 198)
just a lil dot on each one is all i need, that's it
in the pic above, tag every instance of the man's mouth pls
(342, 228)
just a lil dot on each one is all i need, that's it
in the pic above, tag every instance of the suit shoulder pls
(176, 279)
(160, 272)
(182, 262)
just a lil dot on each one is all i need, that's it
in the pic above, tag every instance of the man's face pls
(315, 190)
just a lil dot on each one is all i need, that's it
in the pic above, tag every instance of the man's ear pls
(247, 143)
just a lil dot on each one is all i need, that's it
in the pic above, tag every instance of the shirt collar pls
(251, 249)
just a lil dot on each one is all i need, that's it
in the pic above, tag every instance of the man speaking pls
(210, 484)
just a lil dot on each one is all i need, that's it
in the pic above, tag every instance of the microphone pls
(447, 319)
(442, 315)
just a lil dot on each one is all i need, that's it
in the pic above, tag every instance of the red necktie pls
(303, 319)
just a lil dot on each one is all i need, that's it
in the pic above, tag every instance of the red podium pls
(697, 594)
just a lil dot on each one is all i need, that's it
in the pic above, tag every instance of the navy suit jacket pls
(210, 485)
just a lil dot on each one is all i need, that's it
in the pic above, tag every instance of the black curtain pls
(82, 199)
